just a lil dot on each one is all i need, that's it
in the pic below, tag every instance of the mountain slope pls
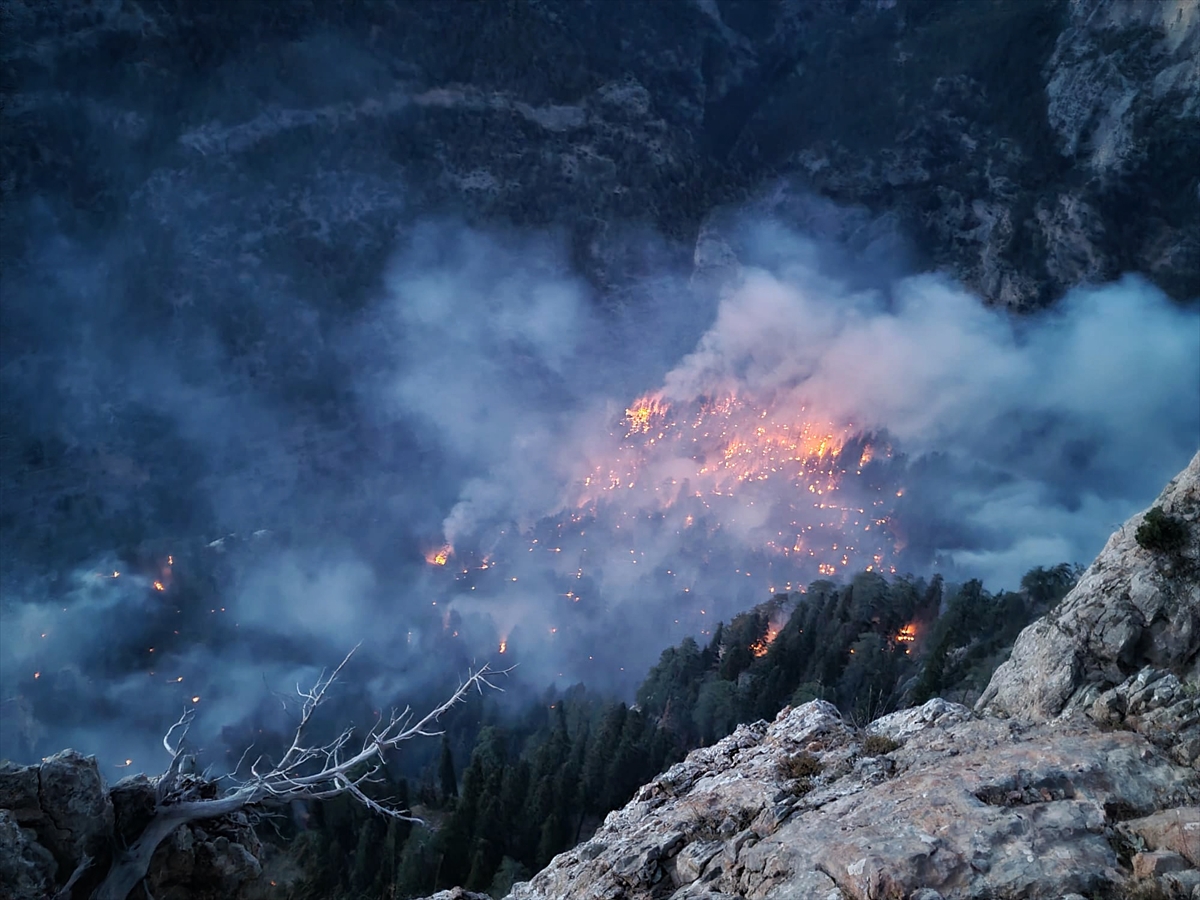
(937, 798)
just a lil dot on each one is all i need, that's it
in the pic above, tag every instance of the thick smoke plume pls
(480, 404)
(262, 397)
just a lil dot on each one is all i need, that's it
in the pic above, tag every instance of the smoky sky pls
(274, 376)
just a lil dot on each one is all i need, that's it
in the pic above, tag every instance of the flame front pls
(644, 413)
(907, 634)
(760, 647)
(722, 455)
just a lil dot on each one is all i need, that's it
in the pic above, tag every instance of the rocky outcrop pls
(60, 825)
(932, 799)
(57, 814)
(1135, 607)
(1083, 778)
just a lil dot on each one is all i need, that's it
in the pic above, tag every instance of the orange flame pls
(907, 634)
(158, 586)
(503, 645)
(439, 556)
(645, 410)
(759, 647)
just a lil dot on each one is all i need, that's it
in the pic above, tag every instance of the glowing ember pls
(907, 634)
(760, 647)
(718, 457)
(158, 586)
(644, 413)
(440, 555)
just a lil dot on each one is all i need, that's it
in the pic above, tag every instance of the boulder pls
(27, 869)
(1134, 608)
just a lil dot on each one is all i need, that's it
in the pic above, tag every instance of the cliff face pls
(1024, 146)
(939, 801)
(1134, 608)
(231, 169)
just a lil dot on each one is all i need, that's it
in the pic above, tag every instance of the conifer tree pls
(446, 775)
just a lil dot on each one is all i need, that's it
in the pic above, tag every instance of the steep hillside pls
(938, 801)
(1025, 146)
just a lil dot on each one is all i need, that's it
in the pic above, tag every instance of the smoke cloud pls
(268, 386)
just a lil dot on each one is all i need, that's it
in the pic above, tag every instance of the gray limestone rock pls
(1022, 811)
(1133, 608)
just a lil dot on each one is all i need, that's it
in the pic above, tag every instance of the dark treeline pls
(536, 785)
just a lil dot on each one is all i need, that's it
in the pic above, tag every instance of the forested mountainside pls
(513, 786)
(1077, 774)
(1027, 146)
(314, 314)
(1024, 147)
(536, 786)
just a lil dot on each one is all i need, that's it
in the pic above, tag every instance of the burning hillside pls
(732, 454)
(713, 501)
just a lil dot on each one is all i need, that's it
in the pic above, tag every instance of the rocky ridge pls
(1081, 775)
(60, 824)
(1025, 147)
(1123, 647)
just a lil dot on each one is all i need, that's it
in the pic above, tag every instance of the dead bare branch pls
(303, 773)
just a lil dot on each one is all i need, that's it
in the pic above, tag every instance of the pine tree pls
(446, 774)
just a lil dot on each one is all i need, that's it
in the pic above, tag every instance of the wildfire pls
(907, 634)
(645, 411)
(760, 647)
(158, 586)
(772, 488)
(726, 441)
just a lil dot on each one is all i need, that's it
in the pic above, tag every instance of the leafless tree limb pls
(303, 773)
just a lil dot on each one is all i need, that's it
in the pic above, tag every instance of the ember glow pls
(907, 634)
(771, 464)
(730, 439)
(439, 556)
(760, 647)
(705, 504)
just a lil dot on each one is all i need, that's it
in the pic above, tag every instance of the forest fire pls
(641, 416)
(730, 439)
(760, 647)
(732, 488)
(907, 634)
